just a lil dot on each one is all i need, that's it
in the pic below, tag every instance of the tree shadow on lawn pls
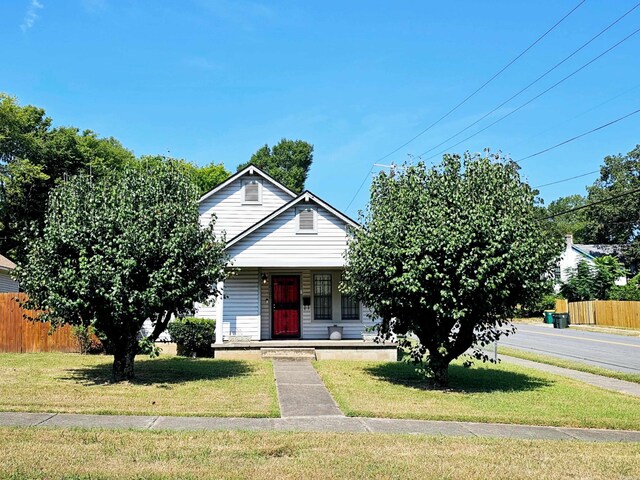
(160, 371)
(461, 379)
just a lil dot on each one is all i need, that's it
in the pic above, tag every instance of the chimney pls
(569, 239)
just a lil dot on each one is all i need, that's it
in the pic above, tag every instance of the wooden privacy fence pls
(613, 313)
(18, 335)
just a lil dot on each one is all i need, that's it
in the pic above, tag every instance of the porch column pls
(219, 311)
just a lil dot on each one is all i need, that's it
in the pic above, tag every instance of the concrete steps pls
(288, 353)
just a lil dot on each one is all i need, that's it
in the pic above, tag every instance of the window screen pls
(322, 296)
(350, 308)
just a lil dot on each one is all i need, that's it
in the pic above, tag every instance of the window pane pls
(350, 308)
(322, 297)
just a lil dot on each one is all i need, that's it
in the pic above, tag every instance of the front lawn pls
(169, 385)
(485, 393)
(39, 453)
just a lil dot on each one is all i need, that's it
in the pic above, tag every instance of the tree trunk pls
(440, 369)
(123, 358)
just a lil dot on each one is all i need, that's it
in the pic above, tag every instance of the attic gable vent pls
(252, 192)
(306, 220)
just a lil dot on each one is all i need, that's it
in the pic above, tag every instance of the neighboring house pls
(574, 253)
(287, 258)
(7, 284)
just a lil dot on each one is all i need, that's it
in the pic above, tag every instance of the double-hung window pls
(322, 301)
(350, 308)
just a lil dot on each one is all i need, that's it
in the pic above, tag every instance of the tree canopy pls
(205, 178)
(617, 222)
(447, 253)
(288, 162)
(576, 223)
(34, 157)
(117, 250)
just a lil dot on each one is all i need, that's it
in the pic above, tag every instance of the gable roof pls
(6, 264)
(582, 252)
(306, 196)
(251, 170)
(599, 249)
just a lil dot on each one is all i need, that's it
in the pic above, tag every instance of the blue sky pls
(210, 80)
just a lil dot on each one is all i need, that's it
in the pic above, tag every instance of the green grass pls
(535, 357)
(169, 385)
(485, 393)
(40, 453)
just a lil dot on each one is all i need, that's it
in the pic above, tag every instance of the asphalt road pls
(615, 352)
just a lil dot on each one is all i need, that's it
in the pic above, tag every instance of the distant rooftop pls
(6, 264)
(600, 250)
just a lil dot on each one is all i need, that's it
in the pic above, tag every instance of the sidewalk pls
(316, 424)
(607, 383)
(301, 392)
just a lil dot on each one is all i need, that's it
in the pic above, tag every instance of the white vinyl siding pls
(7, 284)
(233, 214)
(277, 243)
(242, 304)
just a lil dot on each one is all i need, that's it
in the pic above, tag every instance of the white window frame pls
(244, 193)
(315, 221)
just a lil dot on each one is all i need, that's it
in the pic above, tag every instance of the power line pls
(468, 97)
(567, 179)
(537, 96)
(595, 107)
(533, 82)
(579, 136)
(598, 202)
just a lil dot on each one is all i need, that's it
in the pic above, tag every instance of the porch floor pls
(318, 349)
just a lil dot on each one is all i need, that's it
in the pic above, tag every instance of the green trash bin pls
(560, 320)
(548, 316)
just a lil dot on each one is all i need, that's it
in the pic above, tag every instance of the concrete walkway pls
(608, 383)
(316, 424)
(301, 392)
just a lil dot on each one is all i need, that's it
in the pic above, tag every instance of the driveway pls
(615, 352)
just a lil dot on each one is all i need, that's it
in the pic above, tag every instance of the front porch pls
(307, 349)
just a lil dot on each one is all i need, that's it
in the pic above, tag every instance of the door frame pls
(271, 309)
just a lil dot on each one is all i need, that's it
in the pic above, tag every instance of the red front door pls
(286, 306)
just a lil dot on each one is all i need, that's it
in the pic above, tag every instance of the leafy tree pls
(34, 157)
(205, 178)
(120, 249)
(630, 291)
(575, 223)
(210, 176)
(580, 285)
(288, 162)
(593, 281)
(447, 253)
(618, 221)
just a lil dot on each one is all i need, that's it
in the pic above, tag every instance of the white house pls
(287, 258)
(7, 284)
(575, 253)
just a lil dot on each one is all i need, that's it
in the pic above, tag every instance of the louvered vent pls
(306, 217)
(252, 192)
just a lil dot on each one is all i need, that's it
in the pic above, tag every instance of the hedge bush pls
(193, 336)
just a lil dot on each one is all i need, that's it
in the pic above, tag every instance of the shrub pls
(630, 291)
(87, 340)
(193, 336)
